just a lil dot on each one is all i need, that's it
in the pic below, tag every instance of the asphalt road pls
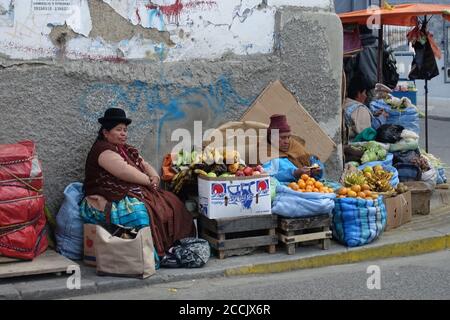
(419, 277)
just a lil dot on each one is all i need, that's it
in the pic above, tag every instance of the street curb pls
(352, 255)
(403, 249)
(439, 118)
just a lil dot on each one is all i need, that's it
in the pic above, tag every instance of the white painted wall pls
(199, 28)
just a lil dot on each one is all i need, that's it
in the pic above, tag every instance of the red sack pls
(22, 217)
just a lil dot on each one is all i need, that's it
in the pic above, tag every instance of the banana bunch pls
(231, 156)
(200, 172)
(179, 179)
(354, 178)
(212, 155)
(380, 181)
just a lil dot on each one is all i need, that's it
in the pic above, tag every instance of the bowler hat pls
(115, 115)
(279, 121)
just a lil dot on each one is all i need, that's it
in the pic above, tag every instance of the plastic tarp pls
(294, 204)
(22, 218)
(69, 224)
(407, 118)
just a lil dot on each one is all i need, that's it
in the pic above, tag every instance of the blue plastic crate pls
(411, 95)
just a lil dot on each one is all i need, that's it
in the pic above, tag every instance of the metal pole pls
(426, 105)
(380, 49)
(426, 115)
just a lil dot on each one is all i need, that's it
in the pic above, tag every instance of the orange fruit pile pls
(357, 191)
(308, 184)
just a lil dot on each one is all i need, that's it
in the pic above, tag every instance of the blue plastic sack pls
(69, 225)
(293, 204)
(408, 118)
(441, 178)
(357, 222)
(408, 172)
(394, 180)
(386, 162)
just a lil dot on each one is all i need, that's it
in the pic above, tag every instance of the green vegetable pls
(381, 153)
(369, 156)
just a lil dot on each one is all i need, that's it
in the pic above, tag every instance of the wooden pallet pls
(230, 236)
(48, 262)
(303, 230)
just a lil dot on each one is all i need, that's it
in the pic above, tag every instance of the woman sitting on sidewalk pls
(292, 160)
(118, 179)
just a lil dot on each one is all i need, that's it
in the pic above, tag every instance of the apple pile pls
(249, 171)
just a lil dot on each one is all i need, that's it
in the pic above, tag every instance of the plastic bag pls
(430, 176)
(405, 144)
(389, 133)
(408, 134)
(294, 204)
(441, 178)
(273, 187)
(407, 117)
(69, 224)
(424, 64)
(406, 156)
(408, 172)
(386, 162)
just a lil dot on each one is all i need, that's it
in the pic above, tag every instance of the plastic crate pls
(411, 95)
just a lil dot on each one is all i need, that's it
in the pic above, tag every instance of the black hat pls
(115, 115)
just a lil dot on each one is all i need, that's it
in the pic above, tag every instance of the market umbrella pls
(397, 15)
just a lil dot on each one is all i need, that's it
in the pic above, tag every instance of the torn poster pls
(53, 6)
(6, 13)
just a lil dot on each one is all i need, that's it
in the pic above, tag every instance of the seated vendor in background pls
(357, 115)
(292, 160)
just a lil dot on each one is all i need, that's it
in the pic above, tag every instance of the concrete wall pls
(54, 97)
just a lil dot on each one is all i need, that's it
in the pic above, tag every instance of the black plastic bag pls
(352, 153)
(424, 64)
(408, 157)
(390, 74)
(389, 133)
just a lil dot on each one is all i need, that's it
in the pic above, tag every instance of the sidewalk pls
(422, 235)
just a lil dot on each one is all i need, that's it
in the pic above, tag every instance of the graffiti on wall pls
(163, 104)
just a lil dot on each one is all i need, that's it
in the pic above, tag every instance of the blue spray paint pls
(159, 100)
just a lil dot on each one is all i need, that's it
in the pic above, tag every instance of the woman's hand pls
(298, 173)
(154, 182)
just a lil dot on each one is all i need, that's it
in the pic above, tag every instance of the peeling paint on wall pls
(158, 30)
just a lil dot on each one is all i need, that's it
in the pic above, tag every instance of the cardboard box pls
(89, 244)
(234, 196)
(277, 99)
(398, 209)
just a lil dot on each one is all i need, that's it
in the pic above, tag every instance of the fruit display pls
(378, 179)
(401, 188)
(211, 163)
(422, 163)
(367, 184)
(357, 191)
(309, 184)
